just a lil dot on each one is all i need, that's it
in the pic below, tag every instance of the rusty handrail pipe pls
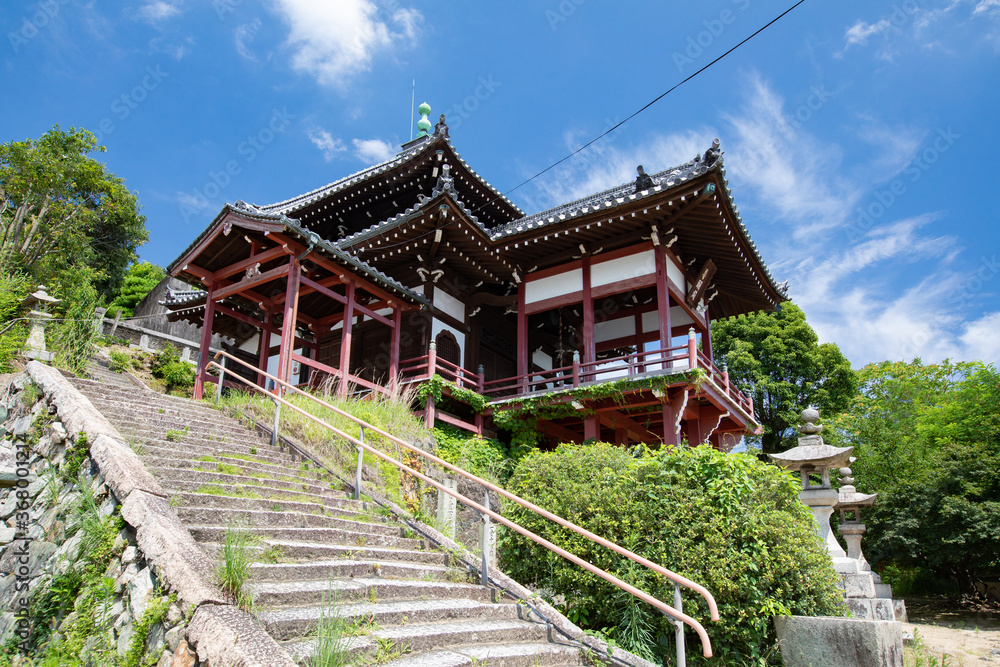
(672, 576)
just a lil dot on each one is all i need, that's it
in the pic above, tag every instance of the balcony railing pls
(672, 360)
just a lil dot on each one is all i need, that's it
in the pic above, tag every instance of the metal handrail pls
(677, 579)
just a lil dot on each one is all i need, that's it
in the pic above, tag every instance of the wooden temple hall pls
(418, 267)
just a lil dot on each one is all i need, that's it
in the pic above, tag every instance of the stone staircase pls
(410, 605)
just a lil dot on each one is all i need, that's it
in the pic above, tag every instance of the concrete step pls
(194, 448)
(157, 429)
(343, 508)
(359, 537)
(295, 622)
(221, 463)
(264, 454)
(223, 479)
(256, 491)
(375, 590)
(290, 550)
(141, 393)
(535, 654)
(323, 570)
(401, 640)
(126, 413)
(211, 515)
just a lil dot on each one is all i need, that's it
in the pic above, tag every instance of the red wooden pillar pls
(662, 297)
(522, 337)
(692, 428)
(589, 342)
(591, 428)
(264, 348)
(670, 434)
(397, 324)
(290, 314)
(692, 349)
(345, 339)
(206, 342)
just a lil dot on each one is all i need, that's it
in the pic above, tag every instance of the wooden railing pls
(675, 612)
(671, 360)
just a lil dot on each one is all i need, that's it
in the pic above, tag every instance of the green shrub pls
(727, 521)
(481, 456)
(120, 361)
(164, 358)
(167, 365)
(13, 290)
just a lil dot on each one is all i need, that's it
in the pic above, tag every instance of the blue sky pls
(860, 137)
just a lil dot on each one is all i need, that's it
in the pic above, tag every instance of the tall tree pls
(57, 202)
(776, 359)
(139, 281)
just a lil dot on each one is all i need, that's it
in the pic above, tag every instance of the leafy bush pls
(727, 521)
(13, 290)
(167, 366)
(120, 361)
(481, 456)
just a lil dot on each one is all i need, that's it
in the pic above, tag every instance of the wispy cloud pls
(244, 35)
(326, 142)
(158, 10)
(373, 151)
(334, 41)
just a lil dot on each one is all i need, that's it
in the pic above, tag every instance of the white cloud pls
(373, 151)
(244, 35)
(861, 31)
(195, 202)
(327, 143)
(333, 41)
(158, 11)
(981, 340)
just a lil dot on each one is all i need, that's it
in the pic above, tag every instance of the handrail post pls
(679, 628)
(692, 349)
(725, 377)
(481, 378)
(484, 542)
(218, 388)
(576, 368)
(277, 418)
(357, 472)
(432, 356)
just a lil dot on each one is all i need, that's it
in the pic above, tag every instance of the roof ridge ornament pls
(441, 129)
(643, 181)
(424, 124)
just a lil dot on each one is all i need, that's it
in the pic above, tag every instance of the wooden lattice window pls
(447, 348)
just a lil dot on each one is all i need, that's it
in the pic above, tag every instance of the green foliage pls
(928, 441)
(729, 522)
(776, 359)
(234, 567)
(72, 338)
(120, 361)
(13, 290)
(139, 281)
(481, 456)
(167, 366)
(153, 615)
(436, 387)
(75, 456)
(58, 202)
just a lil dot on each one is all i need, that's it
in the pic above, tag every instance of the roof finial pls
(424, 124)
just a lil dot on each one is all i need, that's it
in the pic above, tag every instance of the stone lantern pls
(814, 457)
(39, 302)
(850, 503)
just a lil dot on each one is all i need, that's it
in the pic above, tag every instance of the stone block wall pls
(82, 519)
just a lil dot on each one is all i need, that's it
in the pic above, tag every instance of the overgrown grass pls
(333, 634)
(389, 413)
(234, 565)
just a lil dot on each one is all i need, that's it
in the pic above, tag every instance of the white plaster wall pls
(542, 360)
(623, 268)
(624, 326)
(449, 304)
(437, 326)
(675, 274)
(678, 317)
(553, 286)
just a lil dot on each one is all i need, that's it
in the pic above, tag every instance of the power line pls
(651, 103)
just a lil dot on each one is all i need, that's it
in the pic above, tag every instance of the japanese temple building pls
(418, 267)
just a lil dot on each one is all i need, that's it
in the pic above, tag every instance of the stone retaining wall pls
(53, 428)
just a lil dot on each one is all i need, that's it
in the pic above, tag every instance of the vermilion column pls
(397, 323)
(289, 316)
(345, 339)
(589, 342)
(206, 342)
(264, 348)
(522, 335)
(662, 297)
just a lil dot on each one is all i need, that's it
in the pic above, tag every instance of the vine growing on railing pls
(435, 386)
(520, 416)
